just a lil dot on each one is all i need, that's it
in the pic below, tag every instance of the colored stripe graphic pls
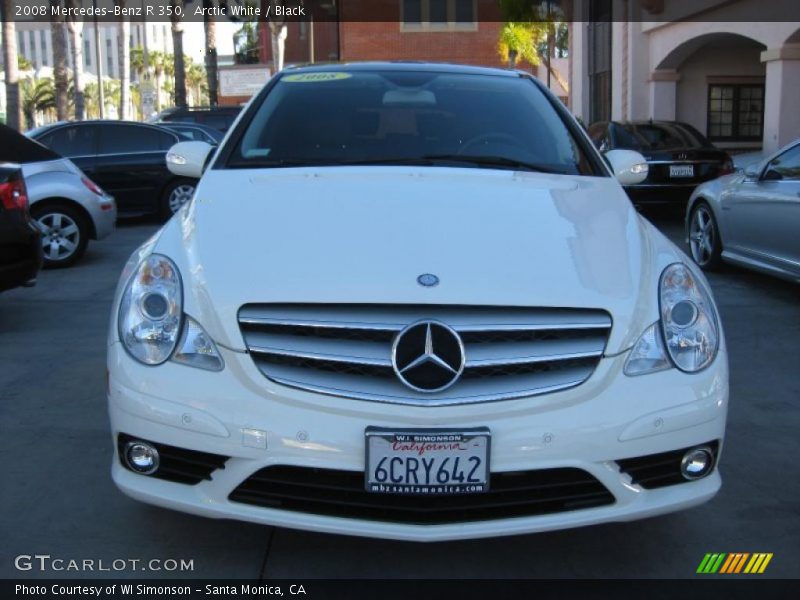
(758, 563)
(734, 563)
(711, 563)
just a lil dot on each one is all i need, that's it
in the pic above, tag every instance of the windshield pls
(660, 136)
(401, 117)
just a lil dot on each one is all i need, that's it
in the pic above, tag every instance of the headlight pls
(688, 319)
(687, 336)
(150, 310)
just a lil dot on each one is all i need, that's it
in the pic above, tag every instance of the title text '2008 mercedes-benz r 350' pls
(412, 301)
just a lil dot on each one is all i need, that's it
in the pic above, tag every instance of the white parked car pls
(68, 207)
(411, 301)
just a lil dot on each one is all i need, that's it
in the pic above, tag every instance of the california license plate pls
(429, 462)
(681, 170)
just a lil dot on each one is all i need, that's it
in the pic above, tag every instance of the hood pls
(364, 235)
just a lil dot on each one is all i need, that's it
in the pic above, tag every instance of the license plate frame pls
(681, 171)
(416, 444)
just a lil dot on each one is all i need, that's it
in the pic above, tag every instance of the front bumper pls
(610, 417)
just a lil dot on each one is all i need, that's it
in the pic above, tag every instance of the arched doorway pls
(715, 82)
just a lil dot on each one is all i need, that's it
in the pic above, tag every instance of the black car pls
(126, 159)
(679, 157)
(218, 117)
(195, 132)
(20, 244)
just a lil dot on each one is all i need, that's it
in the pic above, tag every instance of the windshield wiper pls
(495, 161)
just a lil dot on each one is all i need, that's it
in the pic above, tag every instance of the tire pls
(176, 194)
(65, 233)
(705, 244)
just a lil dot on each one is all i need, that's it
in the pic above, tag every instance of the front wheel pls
(176, 195)
(65, 233)
(704, 240)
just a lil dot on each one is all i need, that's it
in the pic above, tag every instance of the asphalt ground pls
(58, 498)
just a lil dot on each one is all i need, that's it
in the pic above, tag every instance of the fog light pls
(141, 457)
(697, 463)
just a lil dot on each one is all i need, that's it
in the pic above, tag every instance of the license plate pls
(681, 170)
(427, 462)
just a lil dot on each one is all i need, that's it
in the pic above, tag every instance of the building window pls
(438, 15)
(43, 45)
(87, 53)
(20, 44)
(735, 112)
(109, 59)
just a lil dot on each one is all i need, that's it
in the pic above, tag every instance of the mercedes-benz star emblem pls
(428, 356)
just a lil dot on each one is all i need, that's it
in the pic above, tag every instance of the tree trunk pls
(512, 59)
(278, 31)
(13, 113)
(177, 48)
(75, 29)
(211, 53)
(59, 62)
(124, 55)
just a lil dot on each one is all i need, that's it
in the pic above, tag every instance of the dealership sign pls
(242, 81)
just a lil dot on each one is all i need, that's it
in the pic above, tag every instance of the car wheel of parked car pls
(176, 195)
(65, 233)
(704, 240)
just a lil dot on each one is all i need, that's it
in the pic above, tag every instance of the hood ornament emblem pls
(428, 280)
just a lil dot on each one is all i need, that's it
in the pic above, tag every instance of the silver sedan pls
(751, 218)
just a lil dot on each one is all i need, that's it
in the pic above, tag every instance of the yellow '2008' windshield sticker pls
(315, 77)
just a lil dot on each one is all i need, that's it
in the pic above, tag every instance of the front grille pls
(178, 464)
(659, 470)
(341, 494)
(345, 350)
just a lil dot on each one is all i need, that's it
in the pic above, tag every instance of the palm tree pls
(526, 35)
(196, 81)
(210, 27)
(75, 29)
(124, 45)
(59, 59)
(520, 41)
(37, 95)
(278, 32)
(177, 47)
(156, 62)
(111, 94)
(13, 116)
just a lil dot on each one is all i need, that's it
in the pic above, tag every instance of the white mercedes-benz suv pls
(412, 301)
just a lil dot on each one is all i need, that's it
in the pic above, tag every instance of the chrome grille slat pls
(496, 353)
(345, 350)
(324, 348)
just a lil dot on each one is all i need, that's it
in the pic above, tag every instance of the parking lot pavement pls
(59, 500)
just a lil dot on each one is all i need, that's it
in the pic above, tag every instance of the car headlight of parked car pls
(152, 326)
(687, 336)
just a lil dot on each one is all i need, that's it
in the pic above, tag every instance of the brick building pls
(457, 31)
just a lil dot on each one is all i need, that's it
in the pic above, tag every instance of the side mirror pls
(752, 172)
(629, 166)
(188, 159)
